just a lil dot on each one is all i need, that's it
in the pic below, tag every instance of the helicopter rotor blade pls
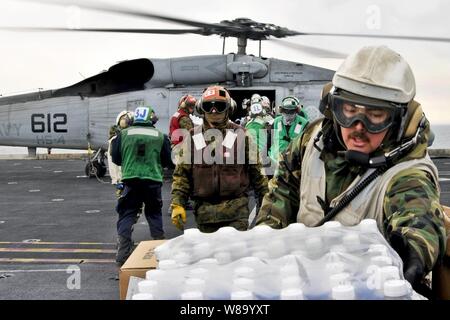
(314, 51)
(125, 11)
(111, 30)
(396, 37)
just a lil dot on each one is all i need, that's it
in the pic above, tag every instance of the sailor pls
(123, 120)
(287, 126)
(142, 151)
(181, 119)
(366, 159)
(213, 174)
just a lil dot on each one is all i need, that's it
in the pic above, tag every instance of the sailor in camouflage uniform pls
(218, 186)
(371, 124)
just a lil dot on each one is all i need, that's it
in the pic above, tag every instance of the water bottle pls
(143, 296)
(291, 294)
(343, 292)
(168, 264)
(381, 261)
(198, 272)
(292, 282)
(155, 274)
(192, 295)
(242, 295)
(314, 247)
(339, 279)
(223, 257)
(194, 284)
(368, 226)
(352, 242)
(192, 236)
(148, 286)
(244, 272)
(397, 290)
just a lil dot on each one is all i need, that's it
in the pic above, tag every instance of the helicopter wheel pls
(95, 169)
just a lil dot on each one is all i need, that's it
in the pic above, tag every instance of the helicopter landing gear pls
(96, 166)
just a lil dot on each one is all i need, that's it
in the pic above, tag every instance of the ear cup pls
(415, 115)
(325, 99)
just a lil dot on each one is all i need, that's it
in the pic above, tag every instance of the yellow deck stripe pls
(59, 250)
(50, 243)
(55, 261)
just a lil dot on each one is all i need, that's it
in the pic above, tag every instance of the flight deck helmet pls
(375, 86)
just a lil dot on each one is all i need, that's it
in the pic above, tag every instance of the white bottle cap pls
(167, 264)
(396, 288)
(147, 286)
(368, 226)
(378, 250)
(332, 225)
(243, 283)
(291, 282)
(291, 294)
(208, 262)
(155, 274)
(242, 295)
(199, 272)
(245, 272)
(334, 267)
(343, 292)
(223, 257)
(182, 257)
(192, 235)
(351, 240)
(389, 273)
(314, 244)
(261, 231)
(289, 270)
(162, 251)
(143, 296)
(339, 279)
(227, 231)
(194, 284)
(192, 295)
(295, 228)
(381, 261)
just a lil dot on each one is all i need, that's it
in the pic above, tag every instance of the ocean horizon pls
(441, 141)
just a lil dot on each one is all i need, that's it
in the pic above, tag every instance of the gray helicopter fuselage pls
(73, 116)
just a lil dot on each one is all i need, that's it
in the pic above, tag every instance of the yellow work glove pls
(178, 216)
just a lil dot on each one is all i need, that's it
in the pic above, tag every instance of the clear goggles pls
(218, 106)
(376, 115)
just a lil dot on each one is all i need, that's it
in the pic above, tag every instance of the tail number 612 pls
(44, 123)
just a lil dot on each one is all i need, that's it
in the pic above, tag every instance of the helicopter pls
(79, 116)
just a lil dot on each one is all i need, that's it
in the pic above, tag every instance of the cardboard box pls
(141, 260)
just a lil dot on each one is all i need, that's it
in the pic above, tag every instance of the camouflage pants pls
(240, 224)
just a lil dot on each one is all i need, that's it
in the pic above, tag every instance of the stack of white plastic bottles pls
(328, 262)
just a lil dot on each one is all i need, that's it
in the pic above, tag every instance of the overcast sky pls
(32, 60)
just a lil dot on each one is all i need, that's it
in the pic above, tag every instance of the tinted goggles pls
(376, 116)
(218, 106)
(288, 111)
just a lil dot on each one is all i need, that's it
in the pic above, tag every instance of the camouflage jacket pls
(225, 210)
(412, 210)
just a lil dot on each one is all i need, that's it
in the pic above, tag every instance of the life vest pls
(217, 182)
(175, 124)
